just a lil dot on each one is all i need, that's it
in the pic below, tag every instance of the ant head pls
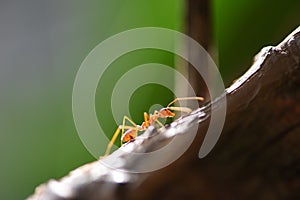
(164, 113)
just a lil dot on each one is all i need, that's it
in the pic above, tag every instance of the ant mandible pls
(132, 131)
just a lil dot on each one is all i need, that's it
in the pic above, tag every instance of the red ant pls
(133, 130)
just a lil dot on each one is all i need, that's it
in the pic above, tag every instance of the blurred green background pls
(43, 44)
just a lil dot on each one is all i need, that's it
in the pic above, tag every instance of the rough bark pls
(257, 155)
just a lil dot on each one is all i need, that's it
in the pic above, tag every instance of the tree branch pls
(257, 155)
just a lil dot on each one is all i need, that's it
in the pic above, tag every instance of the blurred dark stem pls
(199, 21)
(199, 27)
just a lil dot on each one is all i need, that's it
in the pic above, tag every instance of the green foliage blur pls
(243, 28)
(38, 136)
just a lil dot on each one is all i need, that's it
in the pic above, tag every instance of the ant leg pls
(128, 119)
(159, 123)
(185, 98)
(129, 127)
(112, 141)
(124, 123)
(181, 109)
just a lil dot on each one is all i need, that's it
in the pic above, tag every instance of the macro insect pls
(149, 119)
